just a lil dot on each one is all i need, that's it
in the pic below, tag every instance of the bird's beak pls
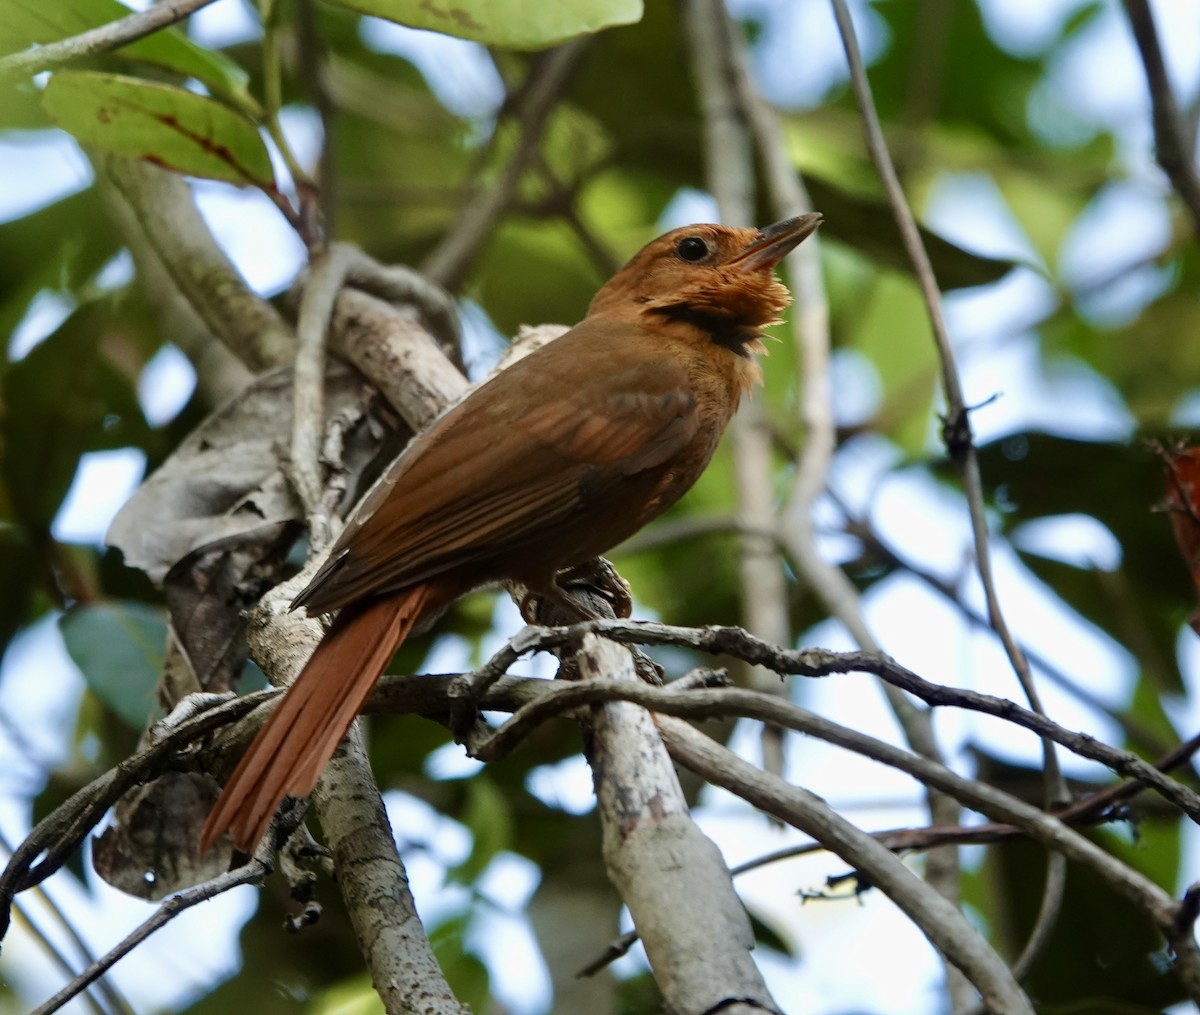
(774, 243)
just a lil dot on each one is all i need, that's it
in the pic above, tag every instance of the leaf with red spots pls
(1183, 504)
(169, 126)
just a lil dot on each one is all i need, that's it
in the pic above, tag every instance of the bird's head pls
(715, 281)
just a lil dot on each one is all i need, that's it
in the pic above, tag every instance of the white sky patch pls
(566, 785)
(40, 688)
(450, 761)
(38, 168)
(968, 209)
(252, 232)
(482, 343)
(1184, 710)
(460, 73)
(1065, 397)
(1076, 539)
(1186, 412)
(996, 312)
(166, 384)
(117, 272)
(224, 24)
(46, 311)
(104, 481)
(797, 59)
(1026, 27)
(827, 936)
(301, 125)
(857, 383)
(922, 520)
(519, 978)
(688, 206)
(1123, 225)
(503, 935)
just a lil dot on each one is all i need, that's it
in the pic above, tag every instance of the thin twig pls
(57, 958)
(57, 835)
(1139, 733)
(315, 78)
(109, 990)
(101, 39)
(327, 272)
(253, 871)
(1174, 140)
(956, 429)
(742, 645)
(272, 68)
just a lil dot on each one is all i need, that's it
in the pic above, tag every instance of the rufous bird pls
(551, 462)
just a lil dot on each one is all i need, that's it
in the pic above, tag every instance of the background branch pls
(716, 56)
(1174, 138)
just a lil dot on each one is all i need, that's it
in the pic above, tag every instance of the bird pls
(552, 461)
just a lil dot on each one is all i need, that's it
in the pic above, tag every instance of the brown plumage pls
(555, 460)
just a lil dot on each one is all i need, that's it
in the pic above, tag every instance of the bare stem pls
(1174, 141)
(102, 39)
(253, 871)
(956, 429)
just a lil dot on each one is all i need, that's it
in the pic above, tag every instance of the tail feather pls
(292, 748)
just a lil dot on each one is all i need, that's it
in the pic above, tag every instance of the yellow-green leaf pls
(516, 24)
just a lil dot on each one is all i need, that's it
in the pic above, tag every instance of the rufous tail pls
(292, 748)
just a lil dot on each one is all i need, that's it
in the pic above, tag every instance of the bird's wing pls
(504, 465)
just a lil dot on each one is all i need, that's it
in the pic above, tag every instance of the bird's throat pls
(722, 329)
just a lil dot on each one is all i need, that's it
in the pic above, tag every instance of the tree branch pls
(1174, 140)
(670, 875)
(819, 663)
(956, 429)
(102, 39)
(939, 919)
(253, 871)
(162, 204)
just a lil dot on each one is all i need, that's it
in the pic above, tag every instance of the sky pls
(1099, 80)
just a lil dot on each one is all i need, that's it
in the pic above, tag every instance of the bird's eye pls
(692, 248)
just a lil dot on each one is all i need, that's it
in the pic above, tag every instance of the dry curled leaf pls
(226, 478)
(150, 849)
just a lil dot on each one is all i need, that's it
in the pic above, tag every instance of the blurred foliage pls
(625, 139)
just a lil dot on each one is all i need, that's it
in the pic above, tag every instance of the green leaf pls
(24, 23)
(119, 647)
(516, 24)
(355, 996)
(169, 126)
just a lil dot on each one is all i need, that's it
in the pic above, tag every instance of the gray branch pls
(102, 39)
(670, 874)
